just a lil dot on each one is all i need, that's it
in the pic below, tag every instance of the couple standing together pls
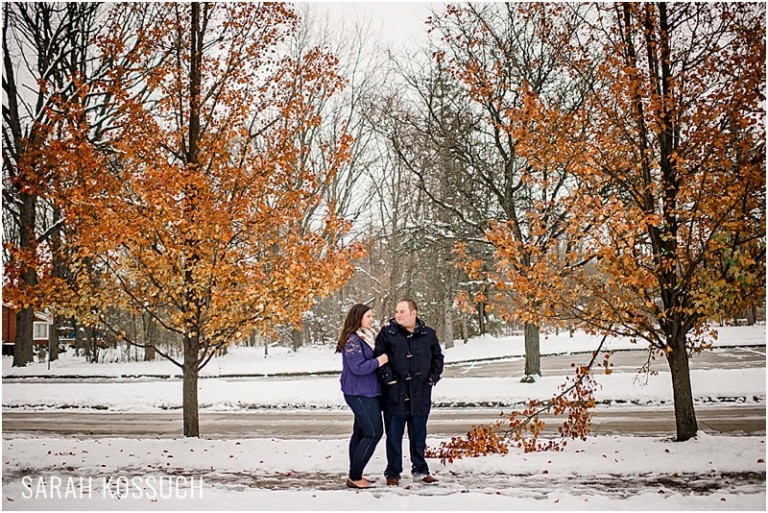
(393, 372)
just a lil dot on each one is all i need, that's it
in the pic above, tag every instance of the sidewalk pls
(602, 473)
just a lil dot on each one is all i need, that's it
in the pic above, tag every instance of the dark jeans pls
(417, 436)
(366, 432)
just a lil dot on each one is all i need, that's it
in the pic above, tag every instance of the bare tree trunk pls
(296, 339)
(79, 342)
(190, 403)
(25, 318)
(150, 337)
(59, 271)
(532, 353)
(93, 344)
(22, 350)
(191, 343)
(53, 337)
(751, 315)
(448, 314)
(685, 414)
(481, 317)
(13, 148)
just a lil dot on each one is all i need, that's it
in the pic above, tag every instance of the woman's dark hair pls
(351, 324)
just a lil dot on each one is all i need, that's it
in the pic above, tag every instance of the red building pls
(40, 329)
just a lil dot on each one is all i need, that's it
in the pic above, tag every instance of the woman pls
(362, 390)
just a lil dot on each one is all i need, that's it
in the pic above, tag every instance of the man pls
(415, 365)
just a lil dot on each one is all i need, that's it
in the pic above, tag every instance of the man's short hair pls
(411, 304)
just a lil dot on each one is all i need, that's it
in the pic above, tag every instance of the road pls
(624, 361)
(726, 418)
(712, 418)
(551, 365)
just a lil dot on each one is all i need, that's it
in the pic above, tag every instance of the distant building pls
(40, 329)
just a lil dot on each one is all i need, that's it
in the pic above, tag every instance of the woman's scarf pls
(367, 336)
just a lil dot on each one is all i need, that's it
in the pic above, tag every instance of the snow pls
(490, 347)
(643, 473)
(602, 473)
(218, 394)
(242, 361)
(227, 393)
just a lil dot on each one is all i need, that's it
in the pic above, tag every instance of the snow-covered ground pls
(227, 392)
(602, 473)
(222, 394)
(251, 360)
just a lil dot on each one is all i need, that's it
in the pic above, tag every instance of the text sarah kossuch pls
(118, 487)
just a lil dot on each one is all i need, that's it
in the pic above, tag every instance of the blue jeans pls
(417, 437)
(367, 430)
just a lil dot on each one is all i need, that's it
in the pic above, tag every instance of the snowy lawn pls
(225, 393)
(251, 360)
(221, 394)
(603, 473)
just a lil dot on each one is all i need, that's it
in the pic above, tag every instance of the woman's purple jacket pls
(358, 372)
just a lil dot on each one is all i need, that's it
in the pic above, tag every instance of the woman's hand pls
(382, 359)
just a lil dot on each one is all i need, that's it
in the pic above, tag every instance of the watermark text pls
(117, 487)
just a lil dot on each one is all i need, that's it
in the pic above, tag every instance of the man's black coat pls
(415, 365)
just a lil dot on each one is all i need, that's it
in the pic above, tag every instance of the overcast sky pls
(395, 23)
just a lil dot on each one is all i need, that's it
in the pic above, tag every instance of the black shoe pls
(393, 481)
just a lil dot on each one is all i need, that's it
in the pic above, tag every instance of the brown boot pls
(429, 479)
(393, 481)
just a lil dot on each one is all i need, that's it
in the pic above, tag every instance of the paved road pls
(623, 419)
(623, 361)
(714, 419)
(551, 365)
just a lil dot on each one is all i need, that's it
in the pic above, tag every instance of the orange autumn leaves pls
(662, 160)
(193, 209)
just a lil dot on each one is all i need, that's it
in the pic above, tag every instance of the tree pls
(666, 227)
(668, 220)
(429, 129)
(513, 77)
(41, 43)
(49, 61)
(195, 213)
(345, 115)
